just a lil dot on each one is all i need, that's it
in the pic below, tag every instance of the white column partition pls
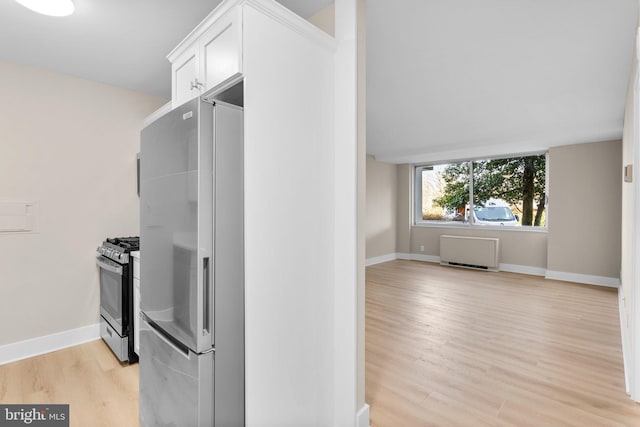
(345, 172)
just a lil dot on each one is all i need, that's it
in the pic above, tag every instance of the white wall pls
(361, 190)
(520, 248)
(325, 20)
(585, 197)
(289, 225)
(404, 219)
(381, 212)
(69, 145)
(629, 232)
(628, 228)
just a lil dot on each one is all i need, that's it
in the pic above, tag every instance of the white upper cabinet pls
(221, 51)
(185, 76)
(211, 54)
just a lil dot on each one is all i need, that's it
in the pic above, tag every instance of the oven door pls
(111, 277)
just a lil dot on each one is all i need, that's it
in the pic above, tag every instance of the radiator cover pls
(470, 252)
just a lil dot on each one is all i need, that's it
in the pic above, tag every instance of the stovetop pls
(118, 248)
(127, 244)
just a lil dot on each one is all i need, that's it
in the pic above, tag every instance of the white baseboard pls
(418, 257)
(380, 259)
(611, 282)
(394, 256)
(48, 343)
(511, 268)
(362, 418)
(523, 269)
(426, 258)
(624, 332)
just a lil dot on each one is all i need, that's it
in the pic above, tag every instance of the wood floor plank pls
(455, 347)
(100, 391)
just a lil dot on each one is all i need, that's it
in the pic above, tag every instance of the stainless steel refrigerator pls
(192, 267)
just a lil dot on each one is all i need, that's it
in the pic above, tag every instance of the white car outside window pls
(494, 212)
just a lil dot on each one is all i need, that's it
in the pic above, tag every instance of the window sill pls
(520, 229)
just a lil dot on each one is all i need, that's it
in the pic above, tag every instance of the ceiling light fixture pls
(49, 7)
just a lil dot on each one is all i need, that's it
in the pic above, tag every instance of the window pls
(504, 192)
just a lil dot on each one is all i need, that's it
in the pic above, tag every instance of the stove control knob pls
(117, 255)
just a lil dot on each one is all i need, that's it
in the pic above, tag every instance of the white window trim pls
(416, 192)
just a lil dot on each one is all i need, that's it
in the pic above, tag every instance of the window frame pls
(416, 192)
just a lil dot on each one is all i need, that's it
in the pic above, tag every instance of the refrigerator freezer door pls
(176, 387)
(176, 215)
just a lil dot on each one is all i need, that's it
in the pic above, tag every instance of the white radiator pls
(471, 252)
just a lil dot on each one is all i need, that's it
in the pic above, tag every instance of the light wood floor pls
(100, 392)
(454, 347)
(444, 347)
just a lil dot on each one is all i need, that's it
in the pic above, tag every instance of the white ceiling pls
(119, 42)
(445, 79)
(466, 78)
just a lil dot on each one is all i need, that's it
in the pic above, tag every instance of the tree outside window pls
(508, 191)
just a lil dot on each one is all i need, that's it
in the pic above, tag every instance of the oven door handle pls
(109, 266)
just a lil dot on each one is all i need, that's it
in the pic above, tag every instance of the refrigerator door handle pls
(206, 309)
(183, 351)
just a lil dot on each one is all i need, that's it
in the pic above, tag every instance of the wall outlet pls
(421, 248)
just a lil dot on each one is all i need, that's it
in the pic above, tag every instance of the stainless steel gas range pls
(116, 295)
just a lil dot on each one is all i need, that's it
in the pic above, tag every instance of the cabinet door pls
(221, 48)
(184, 76)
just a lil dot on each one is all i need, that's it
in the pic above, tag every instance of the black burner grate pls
(127, 243)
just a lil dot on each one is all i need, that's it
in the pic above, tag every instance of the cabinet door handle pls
(195, 84)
